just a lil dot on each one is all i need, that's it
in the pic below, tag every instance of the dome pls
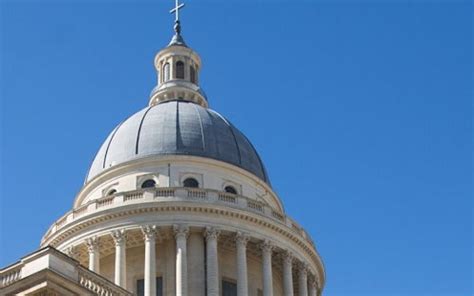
(177, 128)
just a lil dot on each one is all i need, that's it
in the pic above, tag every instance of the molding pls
(246, 218)
(163, 160)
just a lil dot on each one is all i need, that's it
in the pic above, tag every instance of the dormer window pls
(179, 70)
(230, 189)
(166, 72)
(149, 183)
(191, 183)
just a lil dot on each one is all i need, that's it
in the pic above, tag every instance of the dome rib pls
(110, 141)
(139, 130)
(202, 130)
(177, 128)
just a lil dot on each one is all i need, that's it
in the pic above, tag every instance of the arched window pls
(111, 192)
(192, 74)
(149, 183)
(166, 72)
(230, 189)
(191, 183)
(180, 70)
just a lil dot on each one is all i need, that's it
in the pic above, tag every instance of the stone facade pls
(139, 219)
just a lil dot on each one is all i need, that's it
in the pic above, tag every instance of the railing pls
(10, 275)
(107, 201)
(197, 193)
(179, 194)
(164, 192)
(99, 285)
(227, 197)
(80, 211)
(133, 195)
(254, 205)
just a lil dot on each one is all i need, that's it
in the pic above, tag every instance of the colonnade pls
(307, 285)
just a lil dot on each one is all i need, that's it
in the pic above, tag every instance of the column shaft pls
(313, 290)
(119, 237)
(242, 280)
(212, 263)
(303, 281)
(288, 274)
(181, 233)
(267, 269)
(150, 233)
(93, 249)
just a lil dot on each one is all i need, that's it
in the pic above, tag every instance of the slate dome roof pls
(177, 128)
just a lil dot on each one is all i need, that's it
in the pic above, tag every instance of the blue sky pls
(361, 111)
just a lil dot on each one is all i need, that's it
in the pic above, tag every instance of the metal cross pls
(176, 9)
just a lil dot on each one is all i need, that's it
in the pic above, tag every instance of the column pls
(313, 287)
(212, 263)
(181, 234)
(267, 249)
(93, 249)
(242, 281)
(303, 280)
(196, 265)
(288, 274)
(119, 237)
(150, 233)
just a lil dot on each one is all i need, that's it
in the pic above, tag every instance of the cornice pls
(250, 219)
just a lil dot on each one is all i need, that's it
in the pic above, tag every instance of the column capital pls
(92, 244)
(119, 236)
(241, 238)
(267, 246)
(149, 232)
(303, 268)
(72, 252)
(211, 233)
(180, 231)
(287, 257)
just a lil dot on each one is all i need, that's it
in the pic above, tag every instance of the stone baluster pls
(150, 232)
(93, 249)
(181, 234)
(303, 280)
(212, 263)
(288, 274)
(267, 249)
(242, 280)
(120, 238)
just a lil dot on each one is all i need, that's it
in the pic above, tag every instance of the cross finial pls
(176, 9)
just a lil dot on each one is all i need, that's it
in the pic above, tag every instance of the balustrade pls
(10, 275)
(99, 285)
(177, 194)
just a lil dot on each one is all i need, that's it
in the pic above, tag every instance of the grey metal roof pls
(177, 40)
(177, 128)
